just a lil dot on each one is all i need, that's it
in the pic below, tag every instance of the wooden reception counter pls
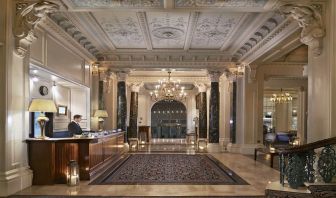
(48, 158)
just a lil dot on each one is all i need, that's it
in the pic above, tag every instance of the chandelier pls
(168, 90)
(281, 97)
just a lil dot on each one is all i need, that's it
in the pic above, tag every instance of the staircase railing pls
(297, 163)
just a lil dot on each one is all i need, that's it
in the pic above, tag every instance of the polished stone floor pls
(257, 174)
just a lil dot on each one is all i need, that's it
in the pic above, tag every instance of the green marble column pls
(214, 113)
(121, 105)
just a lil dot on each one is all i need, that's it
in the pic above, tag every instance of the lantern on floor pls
(73, 173)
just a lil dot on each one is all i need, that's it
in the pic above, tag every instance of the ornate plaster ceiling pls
(172, 33)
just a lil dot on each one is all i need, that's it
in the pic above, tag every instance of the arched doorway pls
(169, 119)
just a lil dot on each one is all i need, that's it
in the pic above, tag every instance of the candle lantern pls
(73, 173)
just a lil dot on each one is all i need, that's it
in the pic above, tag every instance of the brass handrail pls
(307, 147)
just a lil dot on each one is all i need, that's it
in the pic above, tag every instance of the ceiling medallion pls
(167, 33)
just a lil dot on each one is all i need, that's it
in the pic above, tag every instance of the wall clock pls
(43, 90)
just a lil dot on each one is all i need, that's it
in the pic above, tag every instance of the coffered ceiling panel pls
(213, 29)
(122, 28)
(116, 3)
(167, 30)
(219, 3)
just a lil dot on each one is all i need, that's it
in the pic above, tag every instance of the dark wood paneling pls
(96, 154)
(42, 161)
(64, 152)
(49, 158)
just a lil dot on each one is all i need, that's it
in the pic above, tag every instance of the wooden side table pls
(272, 153)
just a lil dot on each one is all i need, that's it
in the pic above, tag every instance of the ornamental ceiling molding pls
(310, 20)
(261, 33)
(281, 32)
(136, 79)
(86, 23)
(167, 64)
(28, 16)
(57, 32)
(145, 30)
(74, 32)
(191, 28)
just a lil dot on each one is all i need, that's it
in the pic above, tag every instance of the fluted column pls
(214, 108)
(121, 101)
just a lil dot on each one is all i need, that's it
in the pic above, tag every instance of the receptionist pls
(74, 127)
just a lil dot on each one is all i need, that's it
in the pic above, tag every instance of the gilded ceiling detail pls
(212, 29)
(122, 28)
(118, 3)
(167, 30)
(219, 3)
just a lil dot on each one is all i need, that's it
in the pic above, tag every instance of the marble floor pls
(257, 174)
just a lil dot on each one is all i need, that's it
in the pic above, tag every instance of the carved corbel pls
(310, 19)
(28, 15)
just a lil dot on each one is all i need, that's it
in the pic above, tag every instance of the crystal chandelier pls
(281, 97)
(168, 90)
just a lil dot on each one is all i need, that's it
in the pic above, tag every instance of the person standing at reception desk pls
(74, 127)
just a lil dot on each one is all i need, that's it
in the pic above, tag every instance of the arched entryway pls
(169, 119)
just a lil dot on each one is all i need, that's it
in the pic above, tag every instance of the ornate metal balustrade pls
(298, 164)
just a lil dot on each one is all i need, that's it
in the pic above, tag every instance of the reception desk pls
(49, 158)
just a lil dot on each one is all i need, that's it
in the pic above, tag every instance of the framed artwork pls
(62, 110)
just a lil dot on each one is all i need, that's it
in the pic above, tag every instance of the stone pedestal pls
(202, 144)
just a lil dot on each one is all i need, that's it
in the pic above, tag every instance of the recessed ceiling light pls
(53, 77)
(163, 70)
(35, 71)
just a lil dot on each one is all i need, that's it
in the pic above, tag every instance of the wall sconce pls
(73, 173)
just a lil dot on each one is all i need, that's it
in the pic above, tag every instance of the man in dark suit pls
(74, 127)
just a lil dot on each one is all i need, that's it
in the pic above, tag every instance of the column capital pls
(28, 15)
(122, 75)
(135, 87)
(310, 20)
(214, 75)
(200, 86)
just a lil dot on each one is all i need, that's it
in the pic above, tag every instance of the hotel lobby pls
(168, 98)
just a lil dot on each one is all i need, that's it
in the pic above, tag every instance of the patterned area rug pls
(170, 169)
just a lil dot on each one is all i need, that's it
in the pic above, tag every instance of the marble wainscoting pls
(256, 174)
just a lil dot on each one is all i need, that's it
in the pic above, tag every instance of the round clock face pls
(43, 90)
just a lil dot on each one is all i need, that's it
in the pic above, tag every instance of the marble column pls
(214, 108)
(121, 101)
(202, 109)
(133, 120)
(233, 112)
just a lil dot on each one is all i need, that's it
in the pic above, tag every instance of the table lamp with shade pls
(42, 106)
(101, 114)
